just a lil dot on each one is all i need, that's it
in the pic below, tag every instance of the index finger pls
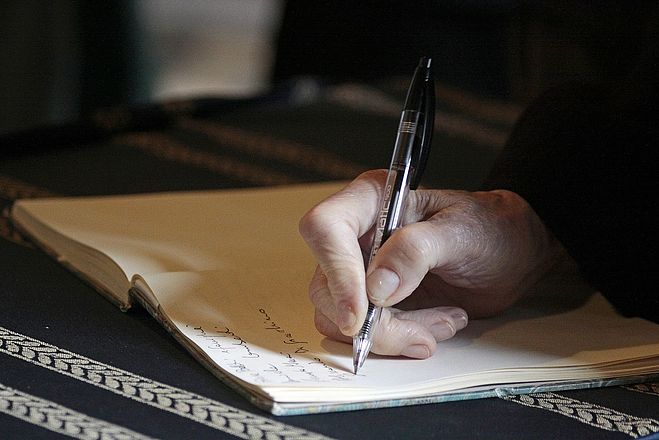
(332, 230)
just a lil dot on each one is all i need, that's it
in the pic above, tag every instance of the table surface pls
(72, 364)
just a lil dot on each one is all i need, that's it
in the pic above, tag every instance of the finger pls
(320, 296)
(325, 309)
(410, 252)
(406, 257)
(407, 333)
(328, 328)
(434, 292)
(332, 230)
(442, 322)
(445, 237)
(416, 333)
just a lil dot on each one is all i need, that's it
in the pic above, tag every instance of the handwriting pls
(287, 337)
(290, 362)
(216, 341)
(280, 373)
(332, 372)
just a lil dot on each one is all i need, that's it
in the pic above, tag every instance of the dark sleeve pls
(581, 156)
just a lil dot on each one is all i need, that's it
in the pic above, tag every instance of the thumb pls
(406, 257)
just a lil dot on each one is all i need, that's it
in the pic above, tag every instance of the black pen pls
(407, 163)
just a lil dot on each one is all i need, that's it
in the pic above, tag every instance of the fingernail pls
(380, 284)
(345, 317)
(460, 319)
(419, 351)
(442, 330)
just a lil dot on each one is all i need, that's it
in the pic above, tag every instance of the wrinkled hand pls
(458, 253)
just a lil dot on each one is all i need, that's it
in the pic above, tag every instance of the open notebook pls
(226, 273)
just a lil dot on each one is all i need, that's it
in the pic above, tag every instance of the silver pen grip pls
(397, 185)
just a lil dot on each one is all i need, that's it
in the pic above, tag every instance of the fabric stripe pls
(645, 388)
(268, 147)
(368, 99)
(183, 403)
(589, 413)
(165, 148)
(57, 418)
(493, 110)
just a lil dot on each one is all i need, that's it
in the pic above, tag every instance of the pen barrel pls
(397, 184)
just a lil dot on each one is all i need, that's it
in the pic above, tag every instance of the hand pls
(458, 253)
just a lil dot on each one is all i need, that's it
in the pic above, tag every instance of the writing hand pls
(457, 253)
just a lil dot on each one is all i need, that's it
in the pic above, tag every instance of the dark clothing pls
(582, 156)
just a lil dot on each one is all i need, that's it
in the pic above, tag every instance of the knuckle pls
(313, 223)
(414, 248)
(471, 207)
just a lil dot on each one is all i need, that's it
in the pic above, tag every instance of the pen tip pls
(358, 361)
(360, 349)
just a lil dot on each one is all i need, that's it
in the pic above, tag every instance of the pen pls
(407, 163)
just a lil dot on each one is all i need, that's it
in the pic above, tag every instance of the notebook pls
(226, 273)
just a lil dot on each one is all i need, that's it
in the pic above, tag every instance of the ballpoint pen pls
(407, 163)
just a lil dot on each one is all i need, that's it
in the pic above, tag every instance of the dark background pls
(507, 49)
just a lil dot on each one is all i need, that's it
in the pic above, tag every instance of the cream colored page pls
(258, 325)
(187, 231)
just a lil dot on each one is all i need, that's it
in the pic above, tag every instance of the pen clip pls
(422, 148)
